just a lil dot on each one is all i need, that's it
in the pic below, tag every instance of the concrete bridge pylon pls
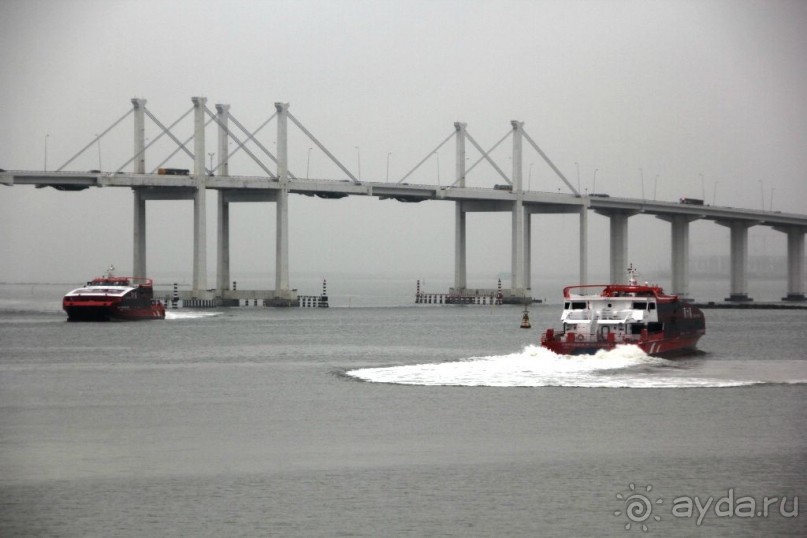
(182, 184)
(199, 201)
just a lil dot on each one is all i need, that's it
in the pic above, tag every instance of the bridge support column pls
(739, 260)
(282, 228)
(199, 208)
(680, 253)
(517, 262)
(795, 263)
(139, 237)
(527, 253)
(619, 246)
(223, 227)
(139, 206)
(583, 244)
(460, 240)
(223, 254)
(518, 226)
(619, 242)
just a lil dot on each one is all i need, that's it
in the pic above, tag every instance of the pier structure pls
(795, 262)
(618, 226)
(679, 226)
(509, 196)
(468, 296)
(282, 295)
(739, 259)
(518, 204)
(738, 222)
(315, 301)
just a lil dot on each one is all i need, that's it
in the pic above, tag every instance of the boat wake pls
(535, 366)
(189, 315)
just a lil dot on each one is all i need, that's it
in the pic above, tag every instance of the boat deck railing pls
(621, 316)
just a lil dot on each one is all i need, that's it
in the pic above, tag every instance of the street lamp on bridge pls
(762, 194)
(641, 174)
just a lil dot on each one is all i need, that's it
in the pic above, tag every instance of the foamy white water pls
(189, 314)
(625, 366)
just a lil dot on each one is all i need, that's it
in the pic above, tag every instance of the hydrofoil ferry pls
(113, 298)
(604, 316)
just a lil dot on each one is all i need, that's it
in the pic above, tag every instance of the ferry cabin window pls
(578, 305)
(639, 305)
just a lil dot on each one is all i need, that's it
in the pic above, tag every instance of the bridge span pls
(510, 196)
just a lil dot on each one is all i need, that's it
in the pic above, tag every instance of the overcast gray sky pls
(707, 98)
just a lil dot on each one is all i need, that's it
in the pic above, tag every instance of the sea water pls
(393, 421)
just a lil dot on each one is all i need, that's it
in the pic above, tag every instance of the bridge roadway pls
(511, 198)
(547, 202)
(488, 199)
(468, 199)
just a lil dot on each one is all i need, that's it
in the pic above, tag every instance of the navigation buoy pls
(525, 319)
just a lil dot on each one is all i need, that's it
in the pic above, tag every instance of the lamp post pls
(358, 159)
(388, 154)
(211, 162)
(529, 178)
(641, 174)
(438, 167)
(714, 193)
(308, 163)
(594, 184)
(46, 152)
(762, 194)
(578, 175)
(703, 188)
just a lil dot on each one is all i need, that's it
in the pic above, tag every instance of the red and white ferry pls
(642, 315)
(113, 298)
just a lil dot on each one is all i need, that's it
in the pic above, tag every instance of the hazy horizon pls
(662, 99)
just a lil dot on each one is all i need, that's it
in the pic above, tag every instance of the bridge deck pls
(256, 188)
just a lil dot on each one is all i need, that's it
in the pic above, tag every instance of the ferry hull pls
(111, 313)
(113, 298)
(625, 314)
(663, 347)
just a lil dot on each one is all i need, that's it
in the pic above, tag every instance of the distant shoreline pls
(754, 306)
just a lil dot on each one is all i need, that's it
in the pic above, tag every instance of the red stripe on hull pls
(660, 347)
